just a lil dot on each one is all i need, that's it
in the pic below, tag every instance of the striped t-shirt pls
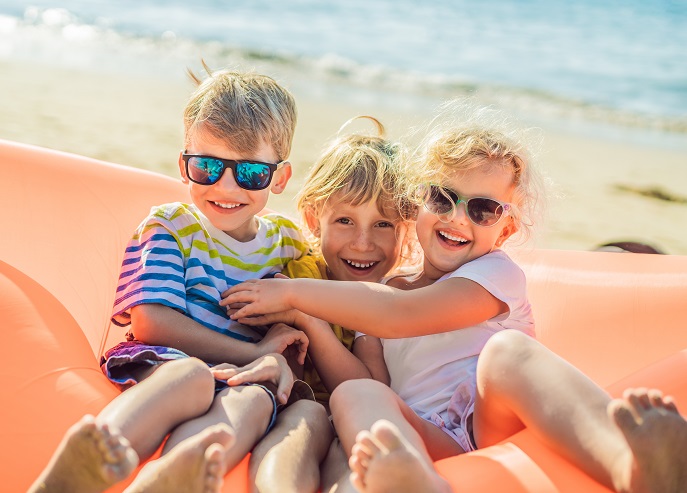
(177, 258)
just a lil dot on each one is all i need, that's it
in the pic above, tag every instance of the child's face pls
(358, 243)
(228, 206)
(447, 246)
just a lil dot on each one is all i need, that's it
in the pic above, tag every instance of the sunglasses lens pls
(253, 176)
(484, 212)
(437, 200)
(204, 170)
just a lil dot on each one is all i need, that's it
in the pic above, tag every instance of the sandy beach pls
(610, 185)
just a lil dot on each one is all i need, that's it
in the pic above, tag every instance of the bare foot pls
(196, 465)
(89, 459)
(657, 436)
(382, 460)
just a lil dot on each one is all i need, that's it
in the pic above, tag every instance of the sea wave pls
(57, 36)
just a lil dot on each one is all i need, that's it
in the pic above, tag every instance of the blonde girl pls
(355, 205)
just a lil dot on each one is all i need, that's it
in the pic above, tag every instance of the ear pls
(509, 229)
(281, 178)
(182, 169)
(312, 221)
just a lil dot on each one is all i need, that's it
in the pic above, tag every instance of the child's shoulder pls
(279, 220)
(495, 267)
(307, 266)
(173, 211)
(173, 217)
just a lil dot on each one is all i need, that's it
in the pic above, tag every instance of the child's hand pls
(269, 368)
(280, 337)
(289, 317)
(258, 297)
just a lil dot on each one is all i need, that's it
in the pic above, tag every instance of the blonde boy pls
(238, 132)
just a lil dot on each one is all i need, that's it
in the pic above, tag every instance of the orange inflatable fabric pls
(66, 219)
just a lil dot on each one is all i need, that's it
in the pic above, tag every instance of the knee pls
(310, 411)
(193, 376)
(504, 352)
(355, 392)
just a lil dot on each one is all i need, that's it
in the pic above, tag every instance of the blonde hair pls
(243, 110)
(483, 138)
(357, 169)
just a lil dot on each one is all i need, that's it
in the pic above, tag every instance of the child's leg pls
(90, 459)
(288, 458)
(522, 383)
(129, 428)
(247, 410)
(334, 467)
(146, 413)
(196, 465)
(358, 404)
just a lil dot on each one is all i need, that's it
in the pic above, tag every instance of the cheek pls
(390, 243)
(329, 244)
(424, 224)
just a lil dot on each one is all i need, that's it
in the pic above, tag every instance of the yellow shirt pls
(314, 267)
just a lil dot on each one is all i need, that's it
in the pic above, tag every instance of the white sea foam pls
(402, 60)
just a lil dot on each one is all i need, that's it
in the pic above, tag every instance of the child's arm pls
(372, 308)
(158, 324)
(368, 349)
(334, 363)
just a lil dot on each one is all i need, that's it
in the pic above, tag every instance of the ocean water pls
(620, 62)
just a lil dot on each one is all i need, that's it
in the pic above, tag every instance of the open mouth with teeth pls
(225, 206)
(362, 266)
(452, 239)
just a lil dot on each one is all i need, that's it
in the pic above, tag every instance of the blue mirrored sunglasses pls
(249, 175)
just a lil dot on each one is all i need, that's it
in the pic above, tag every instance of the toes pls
(388, 435)
(357, 481)
(637, 398)
(214, 473)
(365, 445)
(357, 465)
(221, 434)
(84, 427)
(656, 398)
(669, 404)
(622, 413)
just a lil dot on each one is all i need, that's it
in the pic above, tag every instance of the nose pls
(362, 241)
(460, 212)
(227, 181)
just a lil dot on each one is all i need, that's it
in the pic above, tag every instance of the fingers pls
(269, 319)
(302, 342)
(245, 285)
(285, 384)
(251, 373)
(224, 373)
(246, 312)
(281, 276)
(254, 320)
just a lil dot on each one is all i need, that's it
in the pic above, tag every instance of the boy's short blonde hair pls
(484, 140)
(243, 110)
(357, 169)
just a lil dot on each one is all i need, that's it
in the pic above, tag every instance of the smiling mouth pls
(452, 239)
(360, 265)
(226, 206)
